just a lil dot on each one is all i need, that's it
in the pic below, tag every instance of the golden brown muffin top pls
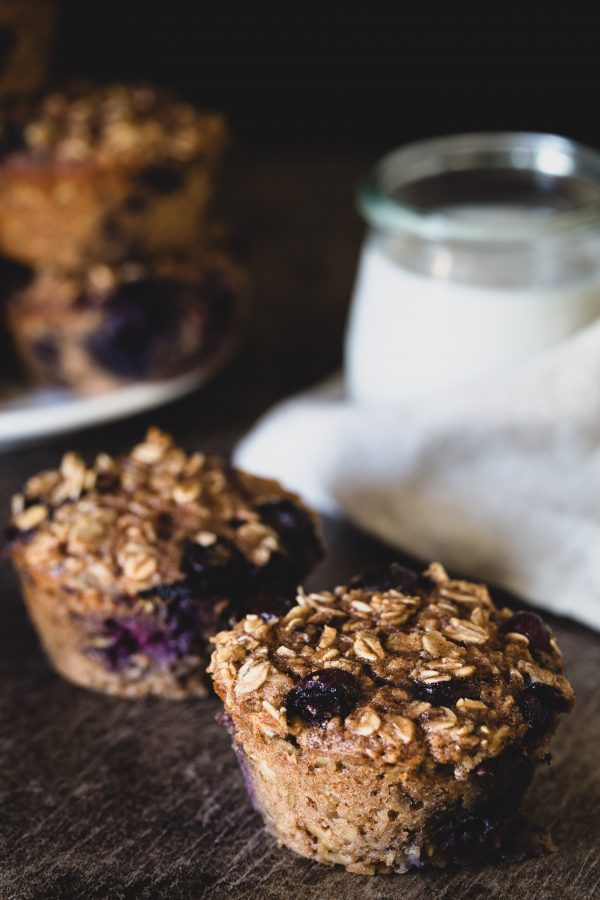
(154, 522)
(431, 672)
(132, 125)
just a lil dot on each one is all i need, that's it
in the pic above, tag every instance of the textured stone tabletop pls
(107, 798)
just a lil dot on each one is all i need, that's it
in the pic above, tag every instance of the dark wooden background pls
(316, 77)
(102, 798)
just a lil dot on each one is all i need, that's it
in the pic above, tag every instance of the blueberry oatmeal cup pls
(395, 722)
(102, 326)
(127, 566)
(116, 171)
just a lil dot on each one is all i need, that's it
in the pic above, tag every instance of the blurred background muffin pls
(105, 211)
(109, 171)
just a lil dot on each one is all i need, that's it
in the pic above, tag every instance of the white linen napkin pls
(499, 480)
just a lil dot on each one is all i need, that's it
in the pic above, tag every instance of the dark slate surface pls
(124, 799)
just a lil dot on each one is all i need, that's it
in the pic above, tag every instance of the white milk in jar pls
(483, 249)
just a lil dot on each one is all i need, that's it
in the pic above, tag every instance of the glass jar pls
(482, 249)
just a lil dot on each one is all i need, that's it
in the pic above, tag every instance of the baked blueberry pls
(540, 704)
(323, 694)
(294, 527)
(468, 834)
(532, 627)
(210, 563)
(392, 576)
(439, 693)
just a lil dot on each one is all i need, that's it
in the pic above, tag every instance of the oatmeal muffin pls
(128, 565)
(102, 326)
(393, 722)
(26, 33)
(117, 171)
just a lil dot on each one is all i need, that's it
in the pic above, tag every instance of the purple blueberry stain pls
(121, 641)
(532, 627)
(226, 721)
(323, 694)
(164, 639)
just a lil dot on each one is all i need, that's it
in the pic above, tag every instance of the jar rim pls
(538, 153)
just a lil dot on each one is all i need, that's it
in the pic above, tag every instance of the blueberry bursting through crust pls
(322, 695)
(393, 722)
(220, 586)
(148, 555)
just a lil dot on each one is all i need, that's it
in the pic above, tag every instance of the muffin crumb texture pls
(394, 722)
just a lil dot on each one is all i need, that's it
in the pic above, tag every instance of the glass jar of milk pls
(482, 250)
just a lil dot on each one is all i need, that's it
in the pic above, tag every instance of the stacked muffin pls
(104, 197)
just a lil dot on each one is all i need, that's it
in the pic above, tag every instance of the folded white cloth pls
(499, 480)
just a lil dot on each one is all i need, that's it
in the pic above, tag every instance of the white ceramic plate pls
(29, 414)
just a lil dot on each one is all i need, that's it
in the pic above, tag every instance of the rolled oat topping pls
(430, 672)
(158, 524)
